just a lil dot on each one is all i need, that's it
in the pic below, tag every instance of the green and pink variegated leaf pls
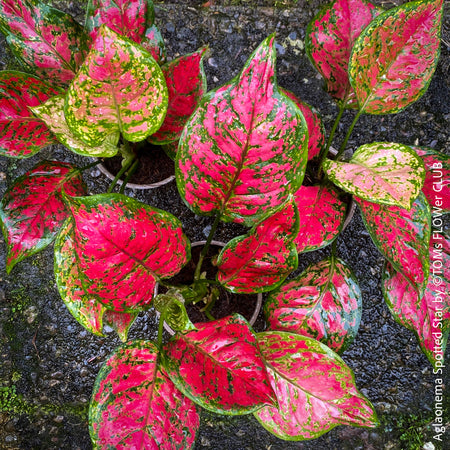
(262, 259)
(245, 147)
(129, 18)
(119, 87)
(394, 58)
(427, 316)
(380, 172)
(21, 134)
(315, 389)
(402, 237)
(134, 404)
(219, 366)
(50, 43)
(437, 178)
(32, 210)
(186, 83)
(123, 247)
(154, 44)
(316, 129)
(52, 114)
(321, 214)
(89, 312)
(330, 37)
(324, 303)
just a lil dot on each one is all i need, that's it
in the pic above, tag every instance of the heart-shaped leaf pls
(316, 129)
(245, 147)
(21, 134)
(402, 237)
(52, 113)
(119, 87)
(89, 312)
(219, 366)
(437, 178)
(262, 259)
(135, 405)
(315, 389)
(32, 210)
(427, 316)
(322, 217)
(129, 18)
(123, 247)
(394, 58)
(330, 37)
(381, 172)
(324, 303)
(48, 42)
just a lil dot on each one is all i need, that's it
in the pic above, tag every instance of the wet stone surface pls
(49, 363)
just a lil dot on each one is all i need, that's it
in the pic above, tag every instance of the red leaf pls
(186, 83)
(322, 216)
(32, 210)
(401, 236)
(135, 405)
(316, 129)
(394, 58)
(123, 247)
(49, 42)
(315, 389)
(330, 37)
(21, 134)
(154, 44)
(427, 316)
(89, 312)
(262, 259)
(324, 303)
(219, 366)
(244, 148)
(437, 178)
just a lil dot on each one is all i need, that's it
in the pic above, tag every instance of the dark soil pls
(228, 303)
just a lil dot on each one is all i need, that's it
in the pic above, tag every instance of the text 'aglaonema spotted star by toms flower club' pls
(248, 152)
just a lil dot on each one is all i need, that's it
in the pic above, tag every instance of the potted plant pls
(242, 157)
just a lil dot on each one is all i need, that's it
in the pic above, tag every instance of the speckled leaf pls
(315, 389)
(321, 214)
(401, 236)
(330, 37)
(186, 83)
(316, 129)
(245, 147)
(21, 134)
(394, 58)
(123, 247)
(154, 44)
(129, 18)
(381, 172)
(134, 404)
(89, 312)
(261, 260)
(32, 210)
(219, 366)
(119, 87)
(437, 178)
(324, 303)
(48, 42)
(427, 316)
(52, 114)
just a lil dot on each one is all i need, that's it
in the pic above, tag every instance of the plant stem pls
(129, 174)
(162, 318)
(95, 163)
(324, 151)
(121, 172)
(334, 248)
(206, 248)
(347, 136)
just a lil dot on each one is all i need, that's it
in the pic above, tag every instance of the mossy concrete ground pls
(49, 362)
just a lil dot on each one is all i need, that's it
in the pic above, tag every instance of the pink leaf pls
(244, 149)
(324, 303)
(219, 366)
(136, 406)
(315, 389)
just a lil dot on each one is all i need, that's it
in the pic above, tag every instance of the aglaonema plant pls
(242, 153)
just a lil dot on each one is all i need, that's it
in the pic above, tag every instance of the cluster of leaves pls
(242, 153)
